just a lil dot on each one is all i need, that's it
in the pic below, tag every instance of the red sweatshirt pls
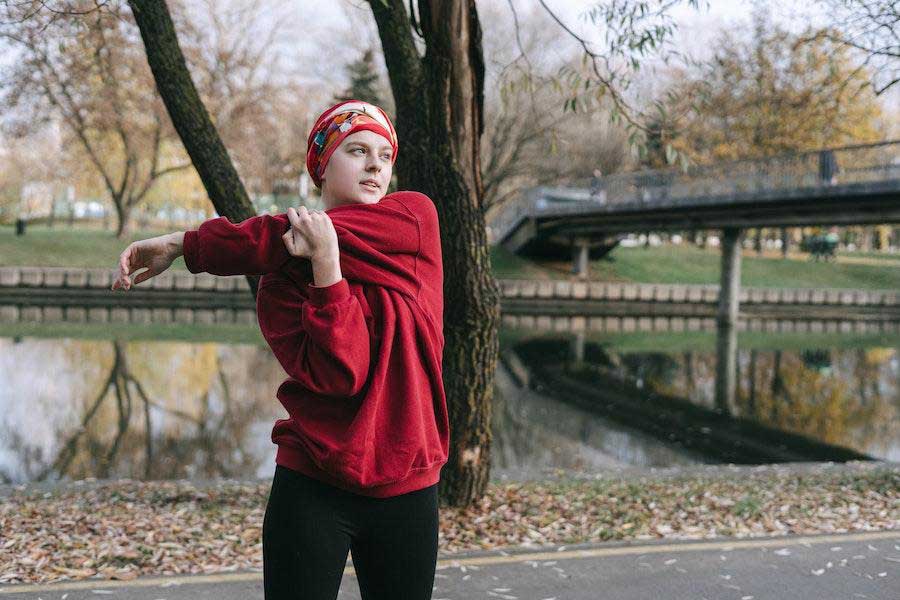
(365, 397)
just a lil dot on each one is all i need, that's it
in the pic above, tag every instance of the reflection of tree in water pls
(117, 380)
(840, 397)
(212, 443)
(216, 449)
(532, 431)
(817, 360)
(651, 366)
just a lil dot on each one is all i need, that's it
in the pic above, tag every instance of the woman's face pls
(363, 156)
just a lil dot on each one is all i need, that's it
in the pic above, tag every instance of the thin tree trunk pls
(752, 403)
(123, 216)
(189, 114)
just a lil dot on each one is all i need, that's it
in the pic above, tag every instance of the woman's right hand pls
(156, 254)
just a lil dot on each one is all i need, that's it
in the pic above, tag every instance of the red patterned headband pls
(338, 122)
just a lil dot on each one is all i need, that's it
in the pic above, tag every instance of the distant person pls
(351, 304)
(598, 191)
(828, 167)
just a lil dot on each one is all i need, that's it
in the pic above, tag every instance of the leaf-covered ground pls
(125, 529)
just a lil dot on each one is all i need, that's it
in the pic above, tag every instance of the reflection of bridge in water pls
(594, 384)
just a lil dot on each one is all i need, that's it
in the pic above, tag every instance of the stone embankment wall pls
(685, 293)
(52, 294)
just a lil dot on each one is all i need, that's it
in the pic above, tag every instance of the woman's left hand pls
(311, 235)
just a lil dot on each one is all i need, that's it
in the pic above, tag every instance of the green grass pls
(223, 333)
(666, 342)
(670, 342)
(873, 254)
(64, 247)
(61, 246)
(689, 264)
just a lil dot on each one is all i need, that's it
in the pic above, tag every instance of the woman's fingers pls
(150, 254)
(308, 227)
(297, 215)
(122, 281)
(144, 276)
(130, 260)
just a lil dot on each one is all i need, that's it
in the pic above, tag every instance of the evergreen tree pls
(363, 80)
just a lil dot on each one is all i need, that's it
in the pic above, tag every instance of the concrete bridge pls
(852, 185)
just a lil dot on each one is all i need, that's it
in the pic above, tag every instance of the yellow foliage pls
(773, 95)
(879, 356)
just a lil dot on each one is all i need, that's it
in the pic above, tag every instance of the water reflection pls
(534, 431)
(144, 410)
(813, 403)
(77, 407)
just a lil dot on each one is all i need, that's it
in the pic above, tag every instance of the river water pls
(161, 402)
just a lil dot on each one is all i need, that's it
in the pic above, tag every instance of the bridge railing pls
(821, 168)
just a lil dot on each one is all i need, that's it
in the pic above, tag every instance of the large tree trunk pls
(441, 133)
(189, 114)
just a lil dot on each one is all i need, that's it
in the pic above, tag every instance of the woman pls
(351, 303)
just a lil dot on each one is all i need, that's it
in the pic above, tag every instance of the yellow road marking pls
(684, 546)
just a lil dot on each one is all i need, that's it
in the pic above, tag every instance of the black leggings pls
(309, 526)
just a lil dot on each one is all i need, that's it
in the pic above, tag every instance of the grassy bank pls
(660, 341)
(671, 342)
(128, 529)
(689, 264)
(64, 247)
(662, 264)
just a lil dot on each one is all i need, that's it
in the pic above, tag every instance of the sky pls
(703, 22)
(695, 33)
(318, 37)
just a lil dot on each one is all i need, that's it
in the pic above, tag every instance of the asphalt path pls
(819, 567)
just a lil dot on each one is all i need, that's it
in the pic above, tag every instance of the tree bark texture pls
(439, 100)
(189, 114)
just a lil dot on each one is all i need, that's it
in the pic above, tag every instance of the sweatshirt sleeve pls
(254, 246)
(251, 247)
(321, 341)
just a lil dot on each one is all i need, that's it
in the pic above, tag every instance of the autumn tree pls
(90, 74)
(870, 28)
(529, 140)
(258, 105)
(24, 164)
(771, 94)
(766, 94)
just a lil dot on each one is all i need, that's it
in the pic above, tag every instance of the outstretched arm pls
(254, 246)
(251, 247)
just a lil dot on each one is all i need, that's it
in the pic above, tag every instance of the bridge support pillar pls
(726, 368)
(726, 338)
(730, 276)
(580, 247)
(576, 345)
